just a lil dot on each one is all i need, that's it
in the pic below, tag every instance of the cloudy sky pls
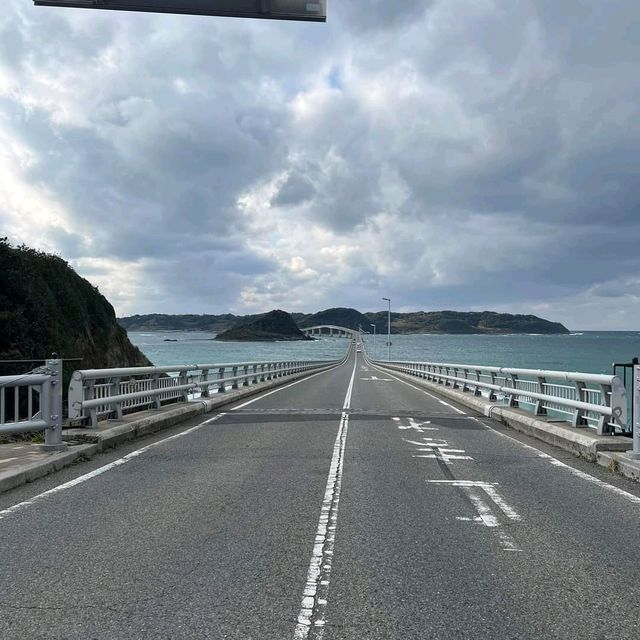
(462, 154)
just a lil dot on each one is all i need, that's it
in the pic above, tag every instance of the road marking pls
(416, 426)
(545, 456)
(486, 516)
(576, 472)
(438, 450)
(107, 467)
(316, 589)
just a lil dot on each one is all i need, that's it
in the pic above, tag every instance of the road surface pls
(348, 505)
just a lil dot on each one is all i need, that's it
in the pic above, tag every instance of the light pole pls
(388, 330)
(374, 339)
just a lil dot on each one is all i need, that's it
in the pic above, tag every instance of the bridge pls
(336, 500)
(330, 330)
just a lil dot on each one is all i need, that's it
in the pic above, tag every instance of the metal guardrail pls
(584, 399)
(32, 402)
(97, 393)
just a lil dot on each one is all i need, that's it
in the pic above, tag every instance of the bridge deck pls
(445, 527)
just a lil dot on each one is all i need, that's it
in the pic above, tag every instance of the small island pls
(275, 326)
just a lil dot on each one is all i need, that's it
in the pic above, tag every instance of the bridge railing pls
(101, 393)
(32, 402)
(583, 399)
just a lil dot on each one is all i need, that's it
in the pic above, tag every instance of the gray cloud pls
(457, 154)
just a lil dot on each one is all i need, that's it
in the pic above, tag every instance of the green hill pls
(274, 326)
(46, 307)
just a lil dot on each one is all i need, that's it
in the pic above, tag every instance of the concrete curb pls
(31, 471)
(112, 434)
(608, 451)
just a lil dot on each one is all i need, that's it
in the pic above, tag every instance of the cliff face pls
(275, 325)
(46, 307)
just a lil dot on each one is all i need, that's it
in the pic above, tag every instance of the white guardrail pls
(97, 393)
(583, 399)
(32, 402)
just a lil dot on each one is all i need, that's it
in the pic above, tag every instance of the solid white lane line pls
(316, 589)
(107, 467)
(347, 398)
(576, 472)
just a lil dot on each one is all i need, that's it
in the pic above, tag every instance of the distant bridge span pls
(329, 330)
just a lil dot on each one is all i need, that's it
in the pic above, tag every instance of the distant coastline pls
(419, 322)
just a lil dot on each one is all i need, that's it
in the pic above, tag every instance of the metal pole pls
(388, 330)
(53, 408)
(635, 453)
(374, 341)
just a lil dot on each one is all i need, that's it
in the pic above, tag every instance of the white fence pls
(583, 399)
(97, 393)
(33, 402)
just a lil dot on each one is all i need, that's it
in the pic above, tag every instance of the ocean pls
(588, 351)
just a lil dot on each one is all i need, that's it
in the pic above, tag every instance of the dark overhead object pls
(313, 10)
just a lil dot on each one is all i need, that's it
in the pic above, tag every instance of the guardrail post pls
(221, 385)
(234, 373)
(513, 399)
(492, 393)
(538, 408)
(155, 384)
(204, 391)
(635, 452)
(183, 379)
(465, 386)
(476, 388)
(255, 374)
(578, 417)
(93, 412)
(114, 390)
(53, 405)
(245, 371)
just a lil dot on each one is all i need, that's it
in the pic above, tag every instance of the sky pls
(452, 154)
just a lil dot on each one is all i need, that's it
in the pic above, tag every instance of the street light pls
(388, 330)
(374, 339)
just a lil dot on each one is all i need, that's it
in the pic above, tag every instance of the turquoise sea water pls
(589, 351)
(195, 347)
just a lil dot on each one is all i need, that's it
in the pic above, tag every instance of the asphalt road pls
(349, 505)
